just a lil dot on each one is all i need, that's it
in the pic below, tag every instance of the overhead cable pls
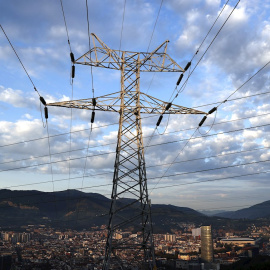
(167, 186)
(213, 180)
(151, 41)
(189, 64)
(89, 44)
(178, 91)
(122, 27)
(155, 25)
(182, 149)
(157, 144)
(233, 99)
(219, 14)
(67, 133)
(245, 82)
(64, 17)
(213, 169)
(20, 61)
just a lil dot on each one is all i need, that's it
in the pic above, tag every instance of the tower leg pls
(129, 242)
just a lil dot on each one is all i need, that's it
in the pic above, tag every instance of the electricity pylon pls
(129, 242)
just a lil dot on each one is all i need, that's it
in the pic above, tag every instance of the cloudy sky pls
(224, 169)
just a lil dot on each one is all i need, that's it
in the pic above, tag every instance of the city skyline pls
(38, 34)
(41, 245)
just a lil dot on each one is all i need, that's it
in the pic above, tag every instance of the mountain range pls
(78, 210)
(261, 210)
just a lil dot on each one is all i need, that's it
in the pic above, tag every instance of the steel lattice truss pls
(112, 103)
(105, 57)
(130, 206)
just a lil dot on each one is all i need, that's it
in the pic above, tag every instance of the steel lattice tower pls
(130, 208)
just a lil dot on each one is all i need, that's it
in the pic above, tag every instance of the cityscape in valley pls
(184, 242)
(46, 248)
(134, 135)
(42, 247)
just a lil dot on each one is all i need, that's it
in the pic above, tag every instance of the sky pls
(224, 165)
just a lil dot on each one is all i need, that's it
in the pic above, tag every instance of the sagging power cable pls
(153, 145)
(214, 109)
(111, 152)
(173, 175)
(189, 63)
(188, 66)
(42, 100)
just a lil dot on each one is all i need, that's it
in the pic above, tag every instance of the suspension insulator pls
(73, 72)
(202, 121)
(180, 79)
(94, 102)
(93, 117)
(187, 66)
(168, 106)
(212, 110)
(72, 57)
(42, 101)
(46, 112)
(159, 120)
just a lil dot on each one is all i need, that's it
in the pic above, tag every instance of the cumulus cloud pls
(17, 98)
(240, 49)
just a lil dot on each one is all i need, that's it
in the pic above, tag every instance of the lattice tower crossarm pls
(112, 103)
(130, 208)
(156, 61)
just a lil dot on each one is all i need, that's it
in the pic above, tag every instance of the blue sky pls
(37, 31)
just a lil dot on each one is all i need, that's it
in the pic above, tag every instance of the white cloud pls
(239, 50)
(28, 116)
(11, 96)
(5, 53)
